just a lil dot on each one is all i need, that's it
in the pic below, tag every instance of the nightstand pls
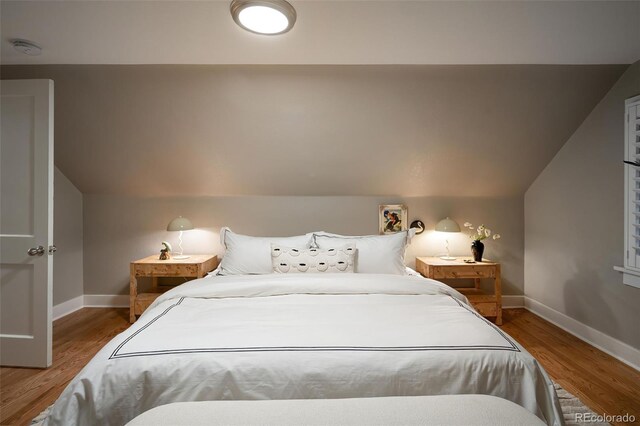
(196, 266)
(488, 305)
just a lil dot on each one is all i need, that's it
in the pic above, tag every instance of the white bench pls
(468, 410)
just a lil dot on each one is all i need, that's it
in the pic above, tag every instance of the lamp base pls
(180, 257)
(447, 258)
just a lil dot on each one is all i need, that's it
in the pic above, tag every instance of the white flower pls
(496, 236)
(480, 229)
(467, 225)
(487, 232)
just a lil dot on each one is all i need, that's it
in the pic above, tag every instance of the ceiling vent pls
(25, 46)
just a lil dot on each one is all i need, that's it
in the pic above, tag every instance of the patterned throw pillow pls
(287, 260)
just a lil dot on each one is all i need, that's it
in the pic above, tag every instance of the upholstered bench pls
(468, 410)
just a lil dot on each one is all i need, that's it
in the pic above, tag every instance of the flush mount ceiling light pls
(25, 46)
(268, 17)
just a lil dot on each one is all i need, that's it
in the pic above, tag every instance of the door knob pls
(36, 251)
(53, 249)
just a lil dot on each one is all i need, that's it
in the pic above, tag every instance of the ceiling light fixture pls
(267, 17)
(25, 46)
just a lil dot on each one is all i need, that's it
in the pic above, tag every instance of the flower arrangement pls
(480, 233)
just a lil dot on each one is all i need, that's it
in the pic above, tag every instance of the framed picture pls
(392, 218)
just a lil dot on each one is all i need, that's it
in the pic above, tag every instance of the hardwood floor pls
(25, 392)
(599, 380)
(603, 383)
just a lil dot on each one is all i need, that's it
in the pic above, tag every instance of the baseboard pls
(106, 301)
(65, 308)
(614, 347)
(617, 349)
(122, 301)
(510, 301)
(90, 301)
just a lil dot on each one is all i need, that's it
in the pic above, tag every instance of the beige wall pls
(121, 229)
(574, 223)
(455, 131)
(269, 149)
(67, 235)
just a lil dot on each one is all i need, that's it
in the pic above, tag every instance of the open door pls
(26, 222)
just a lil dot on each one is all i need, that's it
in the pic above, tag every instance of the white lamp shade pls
(180, 224)
(448, 225)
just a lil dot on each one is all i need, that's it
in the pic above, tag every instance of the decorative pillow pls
(377, 254)
(245, 254)
(287, 260)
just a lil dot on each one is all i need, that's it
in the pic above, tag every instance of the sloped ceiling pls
(315, 130)
(316, 111)
(327, 32)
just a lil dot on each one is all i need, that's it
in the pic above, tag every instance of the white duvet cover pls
(303, 336)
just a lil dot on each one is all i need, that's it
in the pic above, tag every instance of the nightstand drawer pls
(467, 271)
(170, 270)
(143, 301)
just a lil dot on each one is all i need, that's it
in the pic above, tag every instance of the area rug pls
(39, 420)
(572, 410)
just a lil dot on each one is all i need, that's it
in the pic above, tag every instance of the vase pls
(477, 248)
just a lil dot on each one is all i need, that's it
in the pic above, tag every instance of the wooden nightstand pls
(196, 266)
(488, 305)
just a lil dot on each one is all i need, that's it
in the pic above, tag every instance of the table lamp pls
(447, 225)
(180, 224)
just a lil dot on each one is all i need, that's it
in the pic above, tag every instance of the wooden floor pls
(25, 392)
(603, 383)
(600, 381)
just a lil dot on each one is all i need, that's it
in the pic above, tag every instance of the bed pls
(304, 336)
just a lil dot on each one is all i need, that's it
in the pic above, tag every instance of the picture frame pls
(392, 218)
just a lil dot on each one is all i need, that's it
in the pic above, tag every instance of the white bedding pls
(298, 336)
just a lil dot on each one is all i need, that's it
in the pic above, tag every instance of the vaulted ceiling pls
(315, 130)
(403, 98)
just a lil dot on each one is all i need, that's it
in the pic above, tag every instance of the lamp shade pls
(448, 225)
(180, 224)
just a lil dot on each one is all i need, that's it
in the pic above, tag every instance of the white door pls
(26, 222)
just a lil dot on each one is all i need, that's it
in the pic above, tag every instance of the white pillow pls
(252, 255)
(377, 254)
(286, 260)
(411, 232)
